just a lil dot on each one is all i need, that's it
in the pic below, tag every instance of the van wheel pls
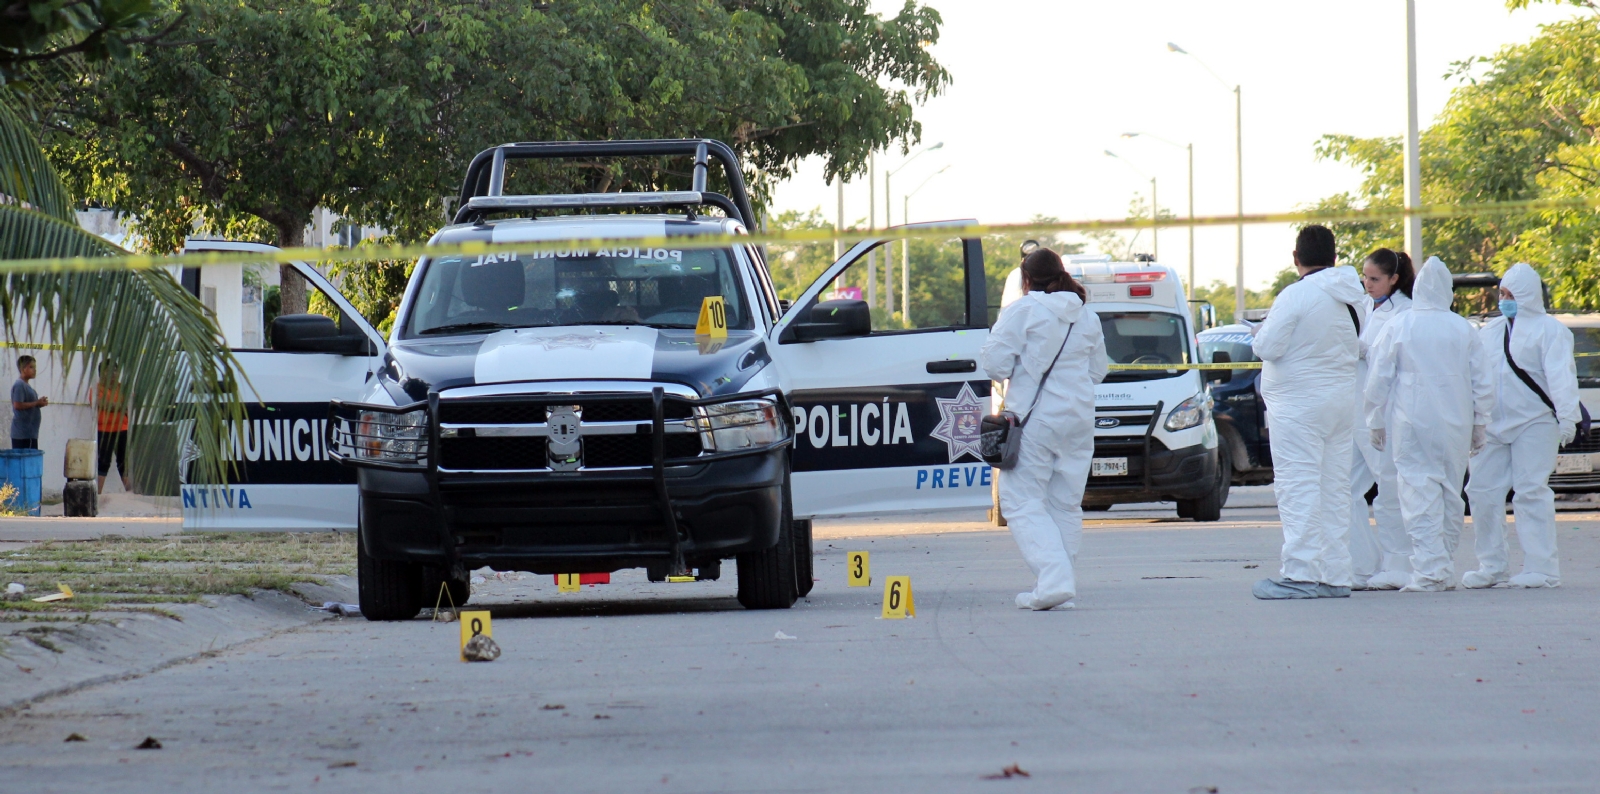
(1209, 507)
(388, 590)
(767, 578)
(804, 576)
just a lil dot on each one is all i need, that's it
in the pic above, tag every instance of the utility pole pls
(838, 223)
(1413, 175)
(1155, 217)
(872, 225)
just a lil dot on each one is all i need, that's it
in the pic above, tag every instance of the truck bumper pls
(1166, 475)
(583, 521)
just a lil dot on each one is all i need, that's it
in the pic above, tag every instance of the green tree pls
(1525, 128)
(173, 362)
(374, 109)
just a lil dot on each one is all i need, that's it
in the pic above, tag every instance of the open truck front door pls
(885, 390)
(284, 478)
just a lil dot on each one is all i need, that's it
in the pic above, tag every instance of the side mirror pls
(314, 333)
(836, 319)
(1220, 375)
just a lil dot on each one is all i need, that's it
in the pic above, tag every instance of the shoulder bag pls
(1001, 439)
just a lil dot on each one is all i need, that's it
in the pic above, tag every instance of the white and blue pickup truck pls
(551, 409)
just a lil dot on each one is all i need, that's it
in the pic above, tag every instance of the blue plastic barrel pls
(23, 469)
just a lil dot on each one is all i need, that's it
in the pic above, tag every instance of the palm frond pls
(26, 177)
(175, 366)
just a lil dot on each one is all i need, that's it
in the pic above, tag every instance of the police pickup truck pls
(551, 409)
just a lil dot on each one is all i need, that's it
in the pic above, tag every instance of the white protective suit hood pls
(1522, 281)
(1065, 306)
(1341, 283)
(1435, 287)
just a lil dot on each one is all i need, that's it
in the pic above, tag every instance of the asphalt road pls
(1168, 677)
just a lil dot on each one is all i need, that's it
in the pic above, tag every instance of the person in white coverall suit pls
(1308, 345)
(1042, 498)
(1381, 559)
(1428, 398)
(1523, 436)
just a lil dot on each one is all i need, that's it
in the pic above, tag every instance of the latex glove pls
(1379, 438)
(1569, 431)
(1480, 436)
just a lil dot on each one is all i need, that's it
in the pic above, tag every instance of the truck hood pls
(627, 353)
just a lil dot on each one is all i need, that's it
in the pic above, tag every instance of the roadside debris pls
(14, 591)
(64, 594)
(481, 648)
(1010, 771)
(336, 608)
(552, 707)
(149, 743)
(341, 764)
(76, 737)
(781, 636)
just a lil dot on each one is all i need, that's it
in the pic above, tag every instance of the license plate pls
(1573, 464)
(1111, 467)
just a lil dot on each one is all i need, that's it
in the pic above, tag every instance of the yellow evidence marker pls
(64, 594)
(713, 318)
(473, 624)
(567, 582)
(897, 600)
(858, 567)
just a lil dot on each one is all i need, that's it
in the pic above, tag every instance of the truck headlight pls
(391, 438)
(742, 424)
(1192, 412)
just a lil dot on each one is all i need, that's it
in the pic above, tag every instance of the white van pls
(1154, 435)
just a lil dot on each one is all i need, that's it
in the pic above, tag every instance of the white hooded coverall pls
(1308, 345)
(1042, 498)
(1388, 549)
(1428, 383)
(1524, 433)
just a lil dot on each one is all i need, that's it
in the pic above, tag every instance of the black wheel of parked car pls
(767, 578)
(804, 576)
(388, 590)
(1209, 507)
(1097, 508)
(459, 590)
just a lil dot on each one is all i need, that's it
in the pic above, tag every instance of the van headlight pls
(391, 438)
(742, 424)
(1192, 412)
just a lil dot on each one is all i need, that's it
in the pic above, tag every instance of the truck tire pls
(460, 590)
(804, 576)
(767, 578)
(1209, 507)
(388, 590)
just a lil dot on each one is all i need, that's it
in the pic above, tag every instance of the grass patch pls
(115, 571)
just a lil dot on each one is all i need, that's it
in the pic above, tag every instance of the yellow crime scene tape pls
(1174, 367)
(792, 237)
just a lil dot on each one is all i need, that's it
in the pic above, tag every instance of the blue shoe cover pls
(1278, 589)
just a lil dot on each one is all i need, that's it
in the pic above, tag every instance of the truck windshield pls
(1237, 344)
(1144, 338)
(661, 288)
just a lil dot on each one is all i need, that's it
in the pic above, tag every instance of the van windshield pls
(1586, 346)
(1144, 338)
(660, 288)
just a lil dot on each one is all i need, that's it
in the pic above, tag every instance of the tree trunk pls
(292, 288)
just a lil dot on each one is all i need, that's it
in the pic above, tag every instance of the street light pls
(1155, 208)
(1189, 147)
(1238, 155)
(888, 220)
(905, 250)
(1413, 160)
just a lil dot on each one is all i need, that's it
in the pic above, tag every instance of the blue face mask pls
(1508, 308)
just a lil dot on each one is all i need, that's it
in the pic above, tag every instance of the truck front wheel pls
(767, 578)
(1209, 507)
(388, 590)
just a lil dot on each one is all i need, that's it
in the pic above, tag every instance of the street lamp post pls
(905, 251)
(1413, 176)
(1238, 156)
(1189, 148)
(888, 203)
(1155, 207)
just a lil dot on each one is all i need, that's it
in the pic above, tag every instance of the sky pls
(1042, 88)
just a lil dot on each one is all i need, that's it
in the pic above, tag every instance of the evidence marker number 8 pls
(473, 624)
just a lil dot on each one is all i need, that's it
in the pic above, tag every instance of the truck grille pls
(473, 442)
(493, 453)
(519, 413)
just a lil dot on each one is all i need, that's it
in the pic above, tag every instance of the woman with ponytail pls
(1053, 352)
(1379, 560)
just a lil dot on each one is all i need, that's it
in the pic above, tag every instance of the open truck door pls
(284, 478)
(885, 392)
